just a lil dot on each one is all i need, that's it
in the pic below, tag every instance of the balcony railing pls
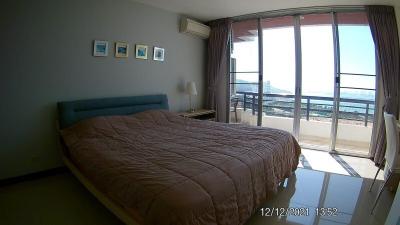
(311, 106)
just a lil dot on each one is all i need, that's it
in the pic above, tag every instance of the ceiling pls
(206, 10)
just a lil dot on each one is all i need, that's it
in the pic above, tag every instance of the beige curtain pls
(217, 67)
(382, 21)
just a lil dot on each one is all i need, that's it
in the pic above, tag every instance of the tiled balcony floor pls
(351, 147)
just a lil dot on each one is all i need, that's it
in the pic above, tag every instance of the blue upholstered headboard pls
(73, 111)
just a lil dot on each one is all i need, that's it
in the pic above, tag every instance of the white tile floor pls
(309, 190)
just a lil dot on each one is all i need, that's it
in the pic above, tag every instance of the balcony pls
(355, 119)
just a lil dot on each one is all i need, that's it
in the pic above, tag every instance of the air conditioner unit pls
(190, 26)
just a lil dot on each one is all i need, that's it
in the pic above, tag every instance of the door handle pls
(337, 80)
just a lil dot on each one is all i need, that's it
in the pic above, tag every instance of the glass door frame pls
(298, 79)
(336, 93)
(299, 75)
(298, 67)
(260, 73)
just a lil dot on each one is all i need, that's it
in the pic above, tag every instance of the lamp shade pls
(191, 88)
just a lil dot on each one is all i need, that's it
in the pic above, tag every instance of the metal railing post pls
(244, 101)
(264, 106)
(366, 115)
(308, 108)
(253, 105)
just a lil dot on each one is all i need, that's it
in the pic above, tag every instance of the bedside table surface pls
(198, 112)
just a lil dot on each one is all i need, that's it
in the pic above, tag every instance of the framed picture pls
(158, 54)
(121, 49)
(100, 48)
(141, 51)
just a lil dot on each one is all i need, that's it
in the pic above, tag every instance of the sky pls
(356, 56)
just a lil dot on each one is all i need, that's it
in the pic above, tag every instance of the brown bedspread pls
(166, 169)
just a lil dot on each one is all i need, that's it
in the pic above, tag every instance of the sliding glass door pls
(317, 82)
(355, 83)
(279, 67)
(317, 78)
(244, 75)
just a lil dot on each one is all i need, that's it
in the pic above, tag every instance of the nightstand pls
(200, 114)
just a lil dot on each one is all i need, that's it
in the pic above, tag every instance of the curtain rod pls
(299, 11)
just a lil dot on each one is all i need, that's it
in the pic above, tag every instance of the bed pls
(151, 166)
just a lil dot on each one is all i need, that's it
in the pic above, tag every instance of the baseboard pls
(33, 176)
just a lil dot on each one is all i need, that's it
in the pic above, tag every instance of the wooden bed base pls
(107, 202)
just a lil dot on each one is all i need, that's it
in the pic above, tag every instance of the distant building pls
(267, 87)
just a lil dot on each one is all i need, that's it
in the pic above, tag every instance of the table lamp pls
(191, 91)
